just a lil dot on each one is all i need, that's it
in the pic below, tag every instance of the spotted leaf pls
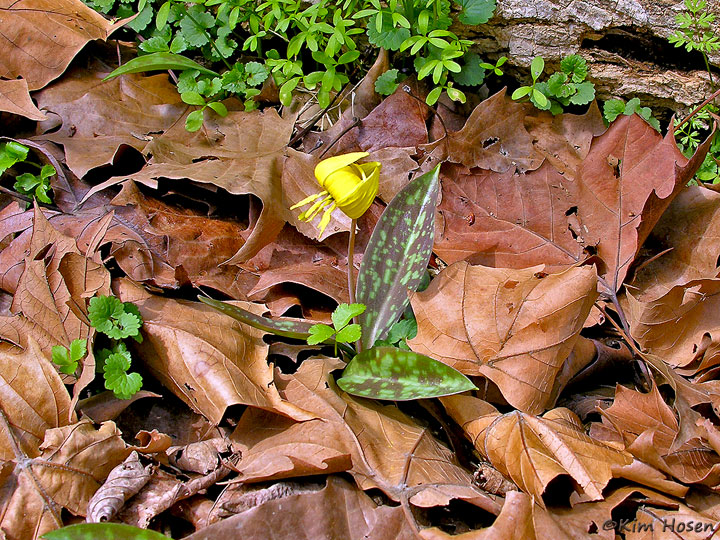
(398, 375)
(291, 329)
(397, 255)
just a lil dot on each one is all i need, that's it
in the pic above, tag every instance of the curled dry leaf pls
(99, 117)
(379, 445)
(200, 457)
(15, 98)
(207, 359)
(123, 482)
(59, 29)
(651, 432)
(534, 450)
(74, 461)
(241, 153)
(339, 510)
(33, 398)
(515, 327)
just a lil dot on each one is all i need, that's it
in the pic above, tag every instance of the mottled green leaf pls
(397, 254)
(158, 61)
(290, 329)
(390, 373)
(103, 531)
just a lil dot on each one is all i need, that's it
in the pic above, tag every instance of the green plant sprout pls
(562, 89)
(695, 32)
(69, 359)
(688, 136)
(536, 96)
(117, 320)
(31, 185)
(300, 44)
(341, 330)
(613, 108)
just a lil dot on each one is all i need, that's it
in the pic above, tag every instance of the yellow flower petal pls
(330, 165)
(307, 200)
(326, 218)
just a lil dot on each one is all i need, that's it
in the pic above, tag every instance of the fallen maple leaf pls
(15, 98)
(515, 327)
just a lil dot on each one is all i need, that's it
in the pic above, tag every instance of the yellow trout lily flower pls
(346, 185)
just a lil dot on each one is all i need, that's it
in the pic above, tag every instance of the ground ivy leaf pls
(476, 11)
(472, 74)
(398, 375)
(389, 38)
(613, 108)
(349, 334)
(387, 83)
(344, 313)
(396, 257)
(319, 333)
(585, 93)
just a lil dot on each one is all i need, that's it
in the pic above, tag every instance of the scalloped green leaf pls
(291, 329)
(397, 255)
(159, 61)
(399, 375)
(103, 531)
(476, 11)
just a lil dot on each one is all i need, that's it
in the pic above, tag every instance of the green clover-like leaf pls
(349, 334)
(320, 333)
(344, 313)
(398, 375)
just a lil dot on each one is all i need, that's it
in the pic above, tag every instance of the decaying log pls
(624, 41)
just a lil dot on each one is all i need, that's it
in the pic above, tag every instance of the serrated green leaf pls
(398, 375)
(396, 256)
(291, 329)
(575, 66)
(476, 11)
(613, 108)
(344, 313)
(319, 333)
(350, 334)
(631, 106)
(158, 61)
(142, 21)
(585, 93)
(103, 531)
(472, 73)
(256, 73)
(78, 349)
(387, 83)
(387, 37)
(155, 44)
(102, 310)
(61, 357)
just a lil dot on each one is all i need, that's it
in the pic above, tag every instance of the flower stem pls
(351, 272)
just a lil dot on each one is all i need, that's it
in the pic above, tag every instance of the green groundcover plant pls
(225, 48)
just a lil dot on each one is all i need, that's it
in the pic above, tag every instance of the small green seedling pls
(32, 185)
(68, 360)
(615, 107)
(194, 121)
(536, 96)
(342, 331)
(115, 364)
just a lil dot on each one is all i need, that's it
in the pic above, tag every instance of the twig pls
(355, 122)
(696, 110)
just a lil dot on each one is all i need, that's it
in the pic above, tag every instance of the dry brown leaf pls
(690, 228)
(73, 463)
(682, 327)
(33, 397)
(41, 37)
(493, 138)
(515, 327)
(163, 491)
(15, 98)
(199, 457)
(606, 207)
(533, 451)
(124, 481)
(100, 117)
(649, 429)
(206, 358)
(339, 510)
(380, 446)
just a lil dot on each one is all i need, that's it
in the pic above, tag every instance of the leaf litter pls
(556, 240)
